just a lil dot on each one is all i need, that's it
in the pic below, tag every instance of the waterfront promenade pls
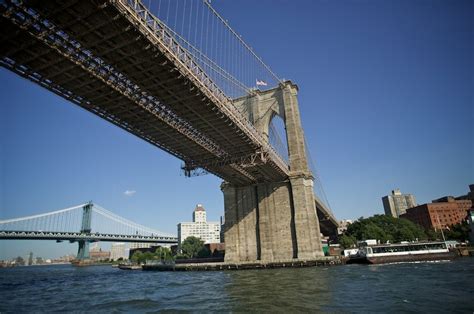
(321, 261)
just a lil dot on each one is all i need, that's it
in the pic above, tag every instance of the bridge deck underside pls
(327, 222)
(136, 85)
(327, 226)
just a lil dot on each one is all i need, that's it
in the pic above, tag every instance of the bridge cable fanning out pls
(224, 55)
(219, 50)
(127, 225)
(318, 188)
(228, 60)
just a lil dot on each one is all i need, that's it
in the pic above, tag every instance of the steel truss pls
(260, 164)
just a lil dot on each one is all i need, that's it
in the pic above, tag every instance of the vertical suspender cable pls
(196, 26)
(184, 14)
(176, 15)
(207, 31)
(168, 12)
(190, 19)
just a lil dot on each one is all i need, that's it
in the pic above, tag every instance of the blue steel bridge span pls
(77, 236)
(83, 224)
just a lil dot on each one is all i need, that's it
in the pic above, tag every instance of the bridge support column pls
(301, 179)
(271, 222)
(274, 221)
(240, 228)
(259, 222)
(83, 251)
(306, 220)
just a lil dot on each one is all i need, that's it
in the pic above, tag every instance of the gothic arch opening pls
(277, 136)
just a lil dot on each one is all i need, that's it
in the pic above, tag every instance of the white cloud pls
(129, 192)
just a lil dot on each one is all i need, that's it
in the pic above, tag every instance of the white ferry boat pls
(403, 252)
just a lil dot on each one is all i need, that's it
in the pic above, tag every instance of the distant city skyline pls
(385, 96)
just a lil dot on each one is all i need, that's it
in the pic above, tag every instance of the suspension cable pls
(42, 215)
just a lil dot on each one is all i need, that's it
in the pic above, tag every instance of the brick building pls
(443, 212)
(219, 247)
(99, 255)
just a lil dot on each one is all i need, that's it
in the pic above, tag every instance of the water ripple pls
(427, 287)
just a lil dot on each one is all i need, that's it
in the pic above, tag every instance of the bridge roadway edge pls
(74, 73)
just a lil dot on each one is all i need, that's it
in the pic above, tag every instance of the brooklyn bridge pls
(180, 78)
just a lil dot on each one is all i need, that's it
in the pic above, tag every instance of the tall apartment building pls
(397, 203)
(209, 232)
(117, 251)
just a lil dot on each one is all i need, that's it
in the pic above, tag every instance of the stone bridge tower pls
(274, 221)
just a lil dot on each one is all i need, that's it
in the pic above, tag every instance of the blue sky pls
(386, 96)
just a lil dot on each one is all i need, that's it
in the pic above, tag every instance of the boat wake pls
(411, 262)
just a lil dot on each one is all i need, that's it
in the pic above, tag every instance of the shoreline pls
(295, 263)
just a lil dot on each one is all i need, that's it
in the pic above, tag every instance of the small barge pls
(403, 252)
(220, 266)
(159, 265)
(129, 267)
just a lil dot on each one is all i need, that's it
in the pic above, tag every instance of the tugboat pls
(402, 252)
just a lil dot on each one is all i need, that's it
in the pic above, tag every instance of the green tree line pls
(192, 247)
(386, 228)
(161, 253)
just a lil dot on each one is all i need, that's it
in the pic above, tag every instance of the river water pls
(428, 287)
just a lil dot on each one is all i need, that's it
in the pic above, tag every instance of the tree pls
(180, 256)
(459, 232)
(191, 247)
(164, 254)
(204, 252)
(434, 235)
(374, 231)
(347, 241)
(146, 257)
(137, 257)
(385, 228)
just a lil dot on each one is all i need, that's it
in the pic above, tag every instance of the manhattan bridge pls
(84, 223)
(175, 74)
